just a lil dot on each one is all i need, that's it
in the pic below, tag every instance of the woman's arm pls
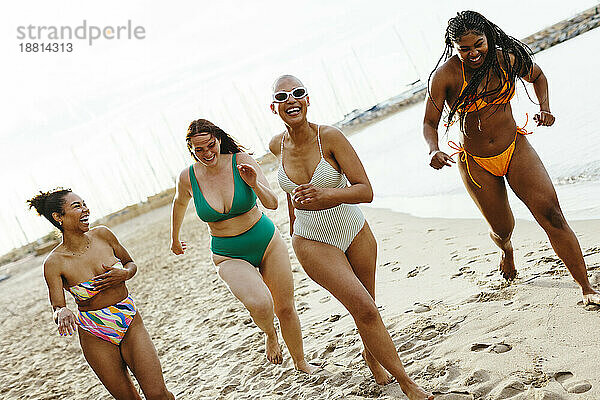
(64, 318)
(433, 113)
(275, 148)
(291, 213)
(253, 175)
(114, 276)
(180, 203)
(540, 84)
(310, 197)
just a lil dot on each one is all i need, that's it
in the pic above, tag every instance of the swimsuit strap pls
(319, 140)
(464, 158)
(521, 129)
(282, 139)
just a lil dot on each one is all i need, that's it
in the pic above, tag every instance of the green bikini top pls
(244, 198)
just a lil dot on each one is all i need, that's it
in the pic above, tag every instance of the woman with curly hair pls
(475, 86)
(93, 266)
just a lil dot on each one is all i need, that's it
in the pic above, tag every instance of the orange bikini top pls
(480, 103)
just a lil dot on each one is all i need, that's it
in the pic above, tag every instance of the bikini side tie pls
(463, 157)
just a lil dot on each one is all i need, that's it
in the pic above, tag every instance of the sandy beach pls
(459, 328)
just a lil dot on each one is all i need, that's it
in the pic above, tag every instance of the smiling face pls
(76, 215)
(472, 48)
(292, 111)
(205, 148)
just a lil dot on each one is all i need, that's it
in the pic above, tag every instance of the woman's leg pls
(277, 275)
(106, 361)
(247, 285)
(492, 201)
(140, 355)
(530, 182)
(329, 267)
(362, 256)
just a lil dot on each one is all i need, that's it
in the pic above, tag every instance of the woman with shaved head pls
(324, 181)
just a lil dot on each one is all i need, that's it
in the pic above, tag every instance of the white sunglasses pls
(283, 96)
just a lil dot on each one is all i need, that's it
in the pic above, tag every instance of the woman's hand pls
(248, 174)
(439, 160)
(544, 118)
(178, 247)
(65, 320)
(113, 276)
(310, 197)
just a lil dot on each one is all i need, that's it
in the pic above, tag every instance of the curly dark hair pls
(203, 126)
(52, 201)
(471, 21)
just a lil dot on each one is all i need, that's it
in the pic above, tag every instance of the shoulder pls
(243, 157)
(104, 234)
(184, 176)
(275, 144)
(448, 71)
(333, 140)
(331, 134)
(502, 61)
(101, 232)
(53, 264)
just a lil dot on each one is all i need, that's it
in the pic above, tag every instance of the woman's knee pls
(158, 394)
(259, 306)
(285, 311)
(502, 234)
(551, 217)
(365, 312)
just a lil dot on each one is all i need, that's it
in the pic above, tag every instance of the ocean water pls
(395, 155)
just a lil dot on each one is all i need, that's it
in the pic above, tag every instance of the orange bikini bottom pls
(496, 165)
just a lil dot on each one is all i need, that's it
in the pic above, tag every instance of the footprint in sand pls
(453, 396)
(479, 346)
(477, 377)
(421, 308)
(414, 272)
(570, 384)
(498, 348)
(508, 389)
(429, 333)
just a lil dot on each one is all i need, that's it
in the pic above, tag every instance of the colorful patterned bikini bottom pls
(109, 323)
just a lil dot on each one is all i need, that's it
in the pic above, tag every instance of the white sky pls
(76, 118)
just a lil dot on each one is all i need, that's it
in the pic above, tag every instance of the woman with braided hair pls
(476, 86)
(247, 249)
(93, 266)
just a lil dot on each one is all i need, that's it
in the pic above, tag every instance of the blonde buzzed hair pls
(282, 77)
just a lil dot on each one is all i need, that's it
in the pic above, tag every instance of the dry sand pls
(458, 327)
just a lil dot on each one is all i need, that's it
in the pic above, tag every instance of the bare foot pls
(273, 350)
(507, 266)
(414, 392)
(591, 298)
(382, 377)
(307, 368)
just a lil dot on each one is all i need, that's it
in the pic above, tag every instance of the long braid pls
(471, 21)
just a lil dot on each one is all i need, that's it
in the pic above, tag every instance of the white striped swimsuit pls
(337, 226)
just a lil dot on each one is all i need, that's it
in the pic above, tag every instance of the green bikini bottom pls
(250, 245)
